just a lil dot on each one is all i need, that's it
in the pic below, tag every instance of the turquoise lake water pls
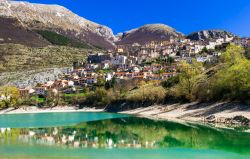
(115, 136)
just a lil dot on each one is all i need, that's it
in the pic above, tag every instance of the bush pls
(170, 82)
(98, 98)
(147, 93)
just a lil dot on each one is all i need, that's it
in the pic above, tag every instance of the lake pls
(115, 136)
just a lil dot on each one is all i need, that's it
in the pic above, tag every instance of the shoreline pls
(215, 113)
(58, 109)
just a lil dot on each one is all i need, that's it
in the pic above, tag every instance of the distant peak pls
(148, 33)
(157, 27)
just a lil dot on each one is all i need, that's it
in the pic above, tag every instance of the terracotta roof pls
(120, 73)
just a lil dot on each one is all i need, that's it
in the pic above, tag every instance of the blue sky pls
(184, 15)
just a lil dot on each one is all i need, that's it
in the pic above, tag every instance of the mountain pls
(27, 18)
(209, 35)
(148, 33)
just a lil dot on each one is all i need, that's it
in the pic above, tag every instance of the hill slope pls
(15, 57)
(11, 31)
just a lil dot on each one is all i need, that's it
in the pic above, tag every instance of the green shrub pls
(98, 98)
(147, 93)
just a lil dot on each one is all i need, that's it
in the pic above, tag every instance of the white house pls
(71, 83)
(198, 48)
(211, 45)
(108, 77)
(105, 64)
(119, 60)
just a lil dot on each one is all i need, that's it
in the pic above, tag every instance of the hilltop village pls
(155, 60)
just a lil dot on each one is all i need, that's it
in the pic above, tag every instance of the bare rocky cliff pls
(205, 35)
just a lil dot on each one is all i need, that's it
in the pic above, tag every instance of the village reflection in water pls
(130, 133)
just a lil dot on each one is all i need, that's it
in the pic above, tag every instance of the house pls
(106, 64)
(120, 50)
(172, 68)
(134, 69)
(81, 81)
(71, 83)
(40, 90)
(129, 75)
(244, 42)
(91, 74)
(49, 84)
(58, 84)
(24, 92)
(119, 60)
(156, 67)
(120, 75)
(201, 59)
(91, 66)
(167, 75)
(211, 45)
(198, 48)
(91, 80)
(141, 75)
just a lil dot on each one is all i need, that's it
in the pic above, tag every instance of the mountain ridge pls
(58, 19)
(30, 18)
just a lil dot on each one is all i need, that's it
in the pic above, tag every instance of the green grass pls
(58, 39)
(39, 100)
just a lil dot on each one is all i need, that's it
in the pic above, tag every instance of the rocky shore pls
(227, 113)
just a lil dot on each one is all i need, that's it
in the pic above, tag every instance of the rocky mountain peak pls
(209, 35)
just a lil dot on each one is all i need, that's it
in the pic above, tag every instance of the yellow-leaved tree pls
(232, 81)
(189, 77)
(9, 97)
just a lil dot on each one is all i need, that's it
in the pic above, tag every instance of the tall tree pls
(189, 76)
(232, 81)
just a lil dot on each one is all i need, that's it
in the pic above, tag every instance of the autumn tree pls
(9, 97)
(189, 76)
(232, 81)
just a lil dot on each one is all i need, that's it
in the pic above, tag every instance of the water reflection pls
(131, 133)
